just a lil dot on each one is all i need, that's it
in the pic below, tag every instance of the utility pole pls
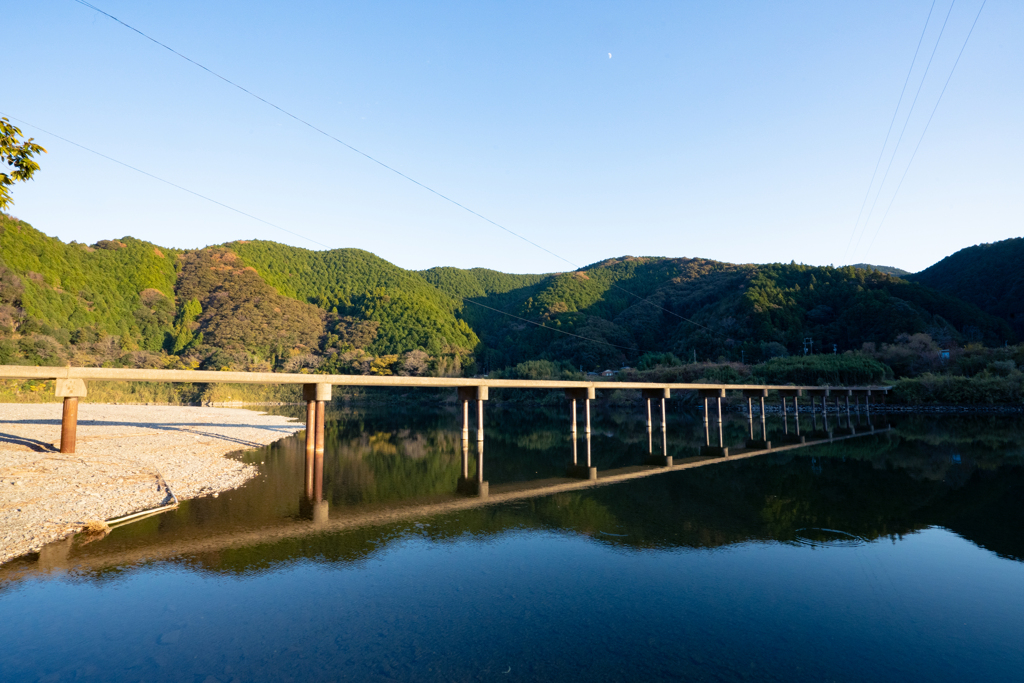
(808, 345)
(834, 351)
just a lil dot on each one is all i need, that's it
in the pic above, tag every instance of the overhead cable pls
(553, 329)
(370, 157)
(878, 193)
(921, 139)
(885, 142)
(168, 182)
(256, 218)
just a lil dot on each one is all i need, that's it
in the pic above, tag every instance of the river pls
(896, 555)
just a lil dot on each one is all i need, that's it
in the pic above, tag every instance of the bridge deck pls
(209, 376)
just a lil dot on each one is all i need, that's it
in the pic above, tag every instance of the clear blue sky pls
(743, 131)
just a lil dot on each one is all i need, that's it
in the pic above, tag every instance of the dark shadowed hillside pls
(990, 276)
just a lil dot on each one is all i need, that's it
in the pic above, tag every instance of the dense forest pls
(990, 276)
(256, 305)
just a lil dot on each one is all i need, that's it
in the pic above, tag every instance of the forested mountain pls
(261, 305)
(355, 284)
(990, 276)
(888, 270)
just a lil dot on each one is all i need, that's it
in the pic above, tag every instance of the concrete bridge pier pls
(795, 394)
(650, 430)
(70, 390)
(661, 395)
(823, 395)
(576, 470)
(316, 396)
(478, 394)
(750, 416)
(477, 486)
(837, 394)
(719, 451)
(707, 432)
(796, 413)
(320, 516)
(763, 442)
(310, 446)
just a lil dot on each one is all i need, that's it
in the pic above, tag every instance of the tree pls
(16, 153)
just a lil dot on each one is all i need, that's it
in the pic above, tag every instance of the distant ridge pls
(888, 270)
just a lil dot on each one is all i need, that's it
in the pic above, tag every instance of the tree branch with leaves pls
(16, 153)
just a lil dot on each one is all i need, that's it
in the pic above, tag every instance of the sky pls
(747, 132)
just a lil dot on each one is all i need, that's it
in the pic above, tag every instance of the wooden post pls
(69, 424)
(70, 390)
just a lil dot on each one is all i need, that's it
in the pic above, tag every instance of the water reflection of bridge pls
(316, 520)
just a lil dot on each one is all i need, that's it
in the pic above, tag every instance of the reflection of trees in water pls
(362, 467)
(880, 486)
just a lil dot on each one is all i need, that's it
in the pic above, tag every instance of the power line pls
(168, 182)
(881, 152)
(370, 157)
(256, 218)
(923, 132)
(553, 329)
(905, 122)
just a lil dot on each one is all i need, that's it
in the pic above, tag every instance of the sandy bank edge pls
(123, 451)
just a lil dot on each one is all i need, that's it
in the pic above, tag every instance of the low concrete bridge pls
(71, 385)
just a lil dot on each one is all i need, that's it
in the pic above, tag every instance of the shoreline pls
(129, 458)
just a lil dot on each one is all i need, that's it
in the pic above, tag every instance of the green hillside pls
(712, 310)
(266, 306)
(990, 276)
(352, 283)
(122, 288)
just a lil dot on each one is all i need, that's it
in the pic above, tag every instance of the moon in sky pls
(609, 55)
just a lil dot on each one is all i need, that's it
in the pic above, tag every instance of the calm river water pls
(893, 556)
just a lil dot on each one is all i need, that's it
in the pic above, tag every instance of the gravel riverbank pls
(127, 457)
